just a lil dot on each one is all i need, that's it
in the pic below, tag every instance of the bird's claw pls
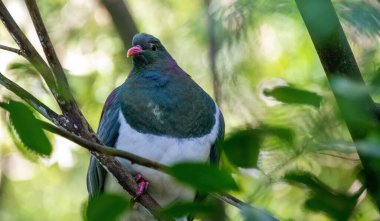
(142, 186)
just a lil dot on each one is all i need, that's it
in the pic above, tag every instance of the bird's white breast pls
(168, 151)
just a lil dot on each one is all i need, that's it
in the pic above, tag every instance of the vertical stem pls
(27, 49)
(338, 60)
(212, 52)
(51, 56)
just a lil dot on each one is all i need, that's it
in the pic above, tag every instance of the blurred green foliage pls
(107, 207)
(262, 46)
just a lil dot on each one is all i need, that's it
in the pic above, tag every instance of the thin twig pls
(30, 99)
(212, 52)
(338, 156)
(14, 50)
(104, 149)
(29, 52)
(51, 56)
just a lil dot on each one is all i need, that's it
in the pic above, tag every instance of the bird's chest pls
(166, 150)
(163, 149)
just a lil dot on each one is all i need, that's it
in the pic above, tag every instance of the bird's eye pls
(153, 47)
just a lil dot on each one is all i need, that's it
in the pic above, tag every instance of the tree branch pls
(91, 146)
(51, 56)
(30, 99)
(29, 52)
(14, 50)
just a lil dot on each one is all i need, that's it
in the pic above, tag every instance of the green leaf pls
(251, 213)
(28, 128)
(242, 147)
(283, 133)
(292, 95)
(106, 207)
(181, 209)
(203, 177)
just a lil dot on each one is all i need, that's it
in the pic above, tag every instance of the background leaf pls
(28, 128)
(242, 148)
(292, 95)
(203, 177)
(106, 207)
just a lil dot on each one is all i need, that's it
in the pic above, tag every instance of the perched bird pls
(161, 114)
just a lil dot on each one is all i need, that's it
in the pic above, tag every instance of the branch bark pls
(14, 50)
(30, 99)
(338, 60)
(51, 56)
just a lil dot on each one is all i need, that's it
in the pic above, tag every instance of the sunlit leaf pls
(28, 128)
(106, 207)
(292, 95)
(250, 213)
(203, 177)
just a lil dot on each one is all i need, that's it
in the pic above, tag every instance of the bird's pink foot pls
(142, 185)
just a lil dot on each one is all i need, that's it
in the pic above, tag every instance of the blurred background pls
(234, 49)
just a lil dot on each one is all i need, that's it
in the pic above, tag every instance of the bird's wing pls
(108, 133)
(214, 152)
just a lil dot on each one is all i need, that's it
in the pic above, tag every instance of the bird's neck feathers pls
(142, 64)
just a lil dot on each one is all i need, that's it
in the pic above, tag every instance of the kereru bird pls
(161, 114)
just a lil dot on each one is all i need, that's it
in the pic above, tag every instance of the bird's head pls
(147, 50)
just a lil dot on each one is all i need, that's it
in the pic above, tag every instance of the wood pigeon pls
(161, 114)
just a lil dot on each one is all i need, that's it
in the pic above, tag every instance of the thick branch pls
(51, 56)
(30, 99)
(91, 146)
(337, 59)
(14, 50)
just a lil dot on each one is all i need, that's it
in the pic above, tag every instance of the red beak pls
(135, 50)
